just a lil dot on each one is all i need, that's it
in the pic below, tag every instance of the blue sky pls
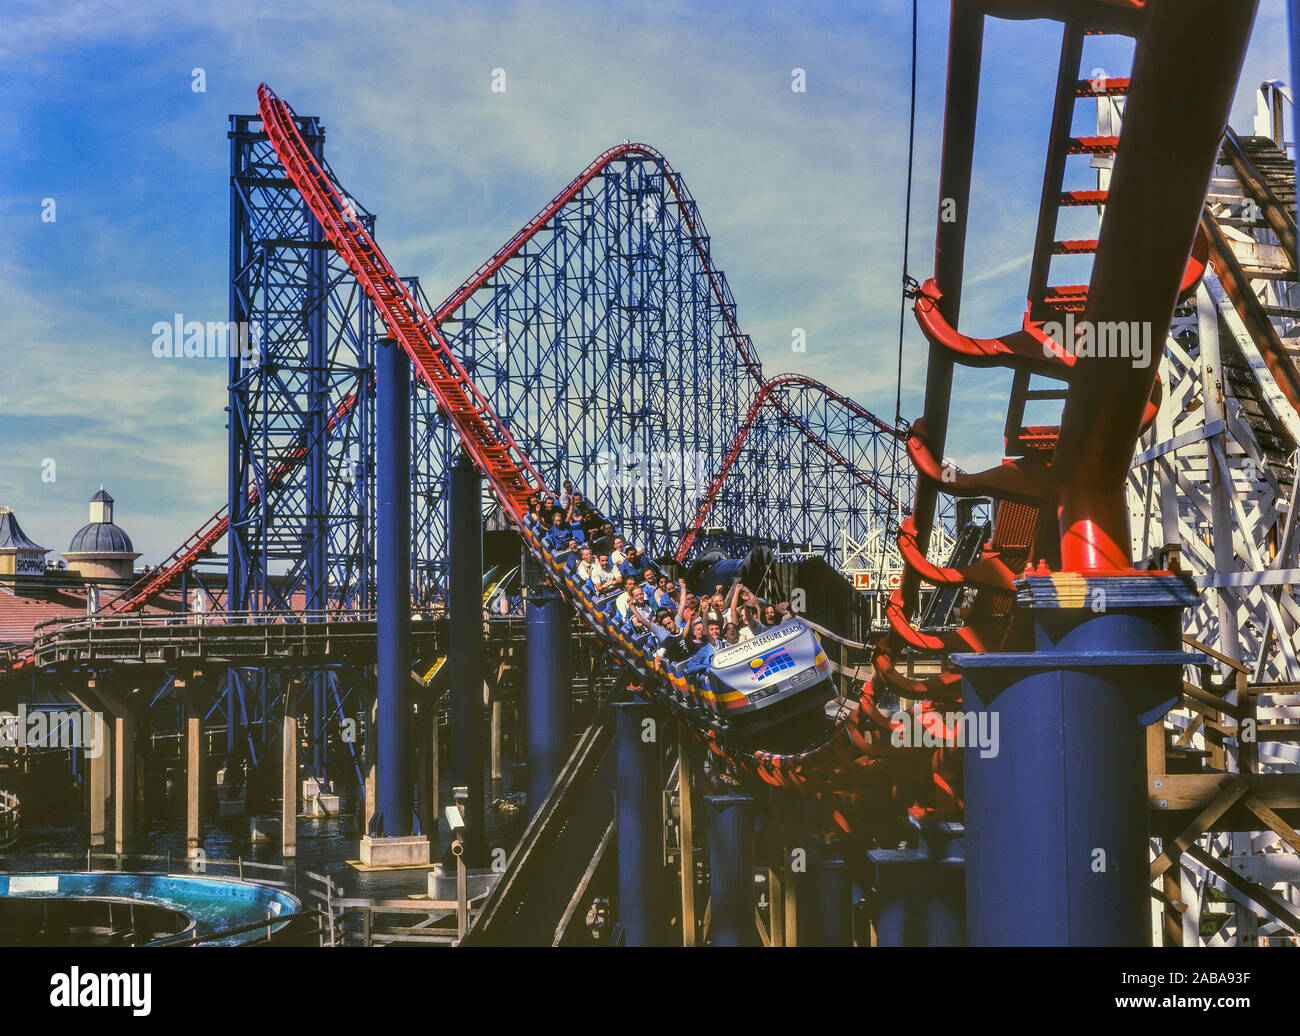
(802, 193)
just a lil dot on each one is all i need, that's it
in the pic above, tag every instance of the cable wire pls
(908, 290)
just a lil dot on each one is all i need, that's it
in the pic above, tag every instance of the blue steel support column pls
(920, 893)
(829, 898)
(465, 648)
(394, 802)
(546, 690)
(642, 908)
(900, 890)
(944, 908)
(1056, 807)
(731, 869)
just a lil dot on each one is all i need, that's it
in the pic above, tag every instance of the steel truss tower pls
(300, 425)
(607, 338)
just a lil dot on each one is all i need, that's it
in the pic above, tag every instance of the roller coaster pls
(1073, 513)
(833, 768)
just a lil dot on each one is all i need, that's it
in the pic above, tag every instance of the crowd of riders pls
(649, 606)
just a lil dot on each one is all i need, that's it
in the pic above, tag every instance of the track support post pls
(391, 839)
(920, 893)
(731, 870)
(1056, 813)
(642, 903)
(465, 649)
(546, 689)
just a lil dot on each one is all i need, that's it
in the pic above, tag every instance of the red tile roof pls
(23, 607)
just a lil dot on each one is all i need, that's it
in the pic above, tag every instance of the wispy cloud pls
(802, 193)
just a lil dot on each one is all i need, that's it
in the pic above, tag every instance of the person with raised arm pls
(683, 608)
(665, 633)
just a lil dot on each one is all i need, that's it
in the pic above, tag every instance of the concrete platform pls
(264, 829)
(230, 804)
(323, 806)
(478, 882)
(401, 851)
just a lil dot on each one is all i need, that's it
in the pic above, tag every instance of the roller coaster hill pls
(1110, 605)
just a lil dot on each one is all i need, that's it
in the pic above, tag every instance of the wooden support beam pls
(1204, 697)
(1191, 730)
(123, 780)
(791, 922)
(289, 788)
(581, 892)
(776, 883)
(1173, 913)
(188, 688)
(495, 738)
(1233, 789)
(193, 782)
(686, 829)
(1278, 731)
(1216, 655)
(435, 772)
(371, 781)
(1157, 748)
(1275, 823)
(99, 791)
(1247, 751)
(1179, 792)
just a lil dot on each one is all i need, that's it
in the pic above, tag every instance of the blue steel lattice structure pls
(302, 443)
(788, 486)
(604, 335)
(603, 344)
(315, 348)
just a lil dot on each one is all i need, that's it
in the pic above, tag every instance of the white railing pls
(215, 618)
(54, 627)
(1275, 114)
(8, 819)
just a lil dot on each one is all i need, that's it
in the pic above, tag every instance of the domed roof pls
(100, 538)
